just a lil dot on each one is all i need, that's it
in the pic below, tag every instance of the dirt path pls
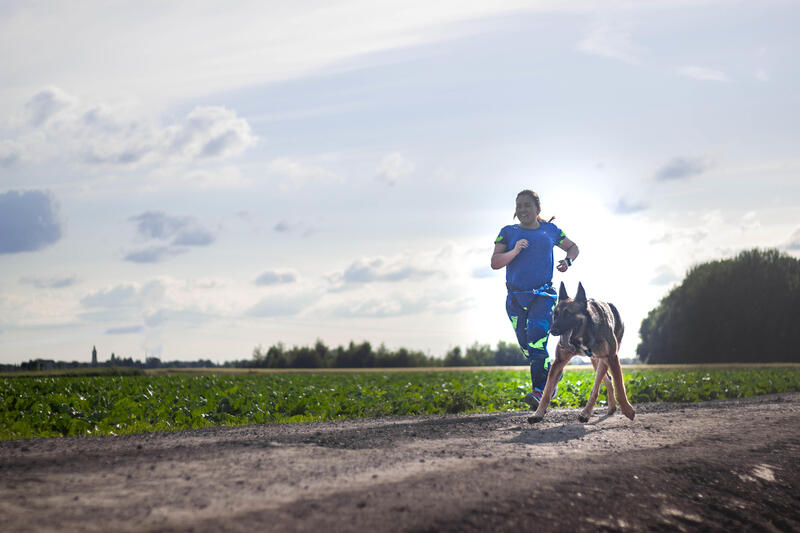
(719, 466)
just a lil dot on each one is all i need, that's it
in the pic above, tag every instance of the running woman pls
(526, 250)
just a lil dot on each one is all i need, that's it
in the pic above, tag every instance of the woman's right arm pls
(501, 257)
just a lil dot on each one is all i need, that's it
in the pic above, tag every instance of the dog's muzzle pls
(564, 341)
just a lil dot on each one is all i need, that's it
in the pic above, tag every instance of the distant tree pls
(355, 356)
(276, 357)
(454, 358)
(305, 357)
(479, 355)
(259, 357)
(323, 354)
(508, 354)
(743, 309)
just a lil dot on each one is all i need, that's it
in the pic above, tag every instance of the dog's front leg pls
(600, 368)
(562, 358)
(619, 386)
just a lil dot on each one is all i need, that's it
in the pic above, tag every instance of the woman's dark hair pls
(535, 198)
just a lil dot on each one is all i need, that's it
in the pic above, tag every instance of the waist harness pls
(545, 290)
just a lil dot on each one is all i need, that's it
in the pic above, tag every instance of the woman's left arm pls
(572, 252)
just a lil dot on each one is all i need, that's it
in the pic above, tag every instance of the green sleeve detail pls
(562, 237)
(498, 239)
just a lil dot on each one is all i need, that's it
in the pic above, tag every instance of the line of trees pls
(363, 355)
(744, 309)
(115, 362)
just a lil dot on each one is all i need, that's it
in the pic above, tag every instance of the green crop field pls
(50, 406)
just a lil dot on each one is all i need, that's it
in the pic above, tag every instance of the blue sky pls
(187, 181)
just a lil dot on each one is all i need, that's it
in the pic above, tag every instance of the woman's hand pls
(520, 245)
(572, 252)
(501, 256)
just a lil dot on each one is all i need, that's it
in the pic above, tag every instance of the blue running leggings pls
(532, 325)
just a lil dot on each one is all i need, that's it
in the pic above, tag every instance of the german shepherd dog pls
(593, 328)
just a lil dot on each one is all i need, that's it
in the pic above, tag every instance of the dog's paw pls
(535, 419)
(630, 412)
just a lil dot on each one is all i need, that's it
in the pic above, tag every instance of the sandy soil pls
(715, 466)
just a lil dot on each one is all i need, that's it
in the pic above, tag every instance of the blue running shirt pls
(533, 267)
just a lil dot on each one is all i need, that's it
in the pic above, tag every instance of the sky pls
(190, 180)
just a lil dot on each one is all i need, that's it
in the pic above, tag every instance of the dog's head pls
(571, 318)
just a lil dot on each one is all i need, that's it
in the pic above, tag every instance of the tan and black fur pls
(593, 328)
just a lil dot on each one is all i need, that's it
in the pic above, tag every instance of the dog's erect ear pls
(562, 292)
(581, 295)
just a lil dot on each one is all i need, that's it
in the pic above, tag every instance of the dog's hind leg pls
(612, 401)
(600, 372)
(619, 386)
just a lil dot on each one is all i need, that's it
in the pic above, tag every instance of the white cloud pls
(163, 50)
(485, 271)
(703, 73)
(794, 241)
(294, 228)
(209, 132)
(397, 303)
(611, 41)
(159, 225)
(664, 276)
(682, 167)
(276, 277)
(187, 316)
(124, 295)
(180, 231)
(163, 300)
(679, 236)
(10, 153)
(125, 330)
(624, 207)
(46, 104)
(281, 304)
(154, 254)
(712, 219)
(393, 168)
(299, 173)
(62, 129)
(29, 221)
(37, 309)
(380, 269)
(50, 283)
(750, 221)
(391, 305)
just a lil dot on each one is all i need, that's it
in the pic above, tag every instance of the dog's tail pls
(619, 327)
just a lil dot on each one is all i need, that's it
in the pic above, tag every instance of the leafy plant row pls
(110, 405)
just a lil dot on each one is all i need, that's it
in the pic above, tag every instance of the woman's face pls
(526, 209)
